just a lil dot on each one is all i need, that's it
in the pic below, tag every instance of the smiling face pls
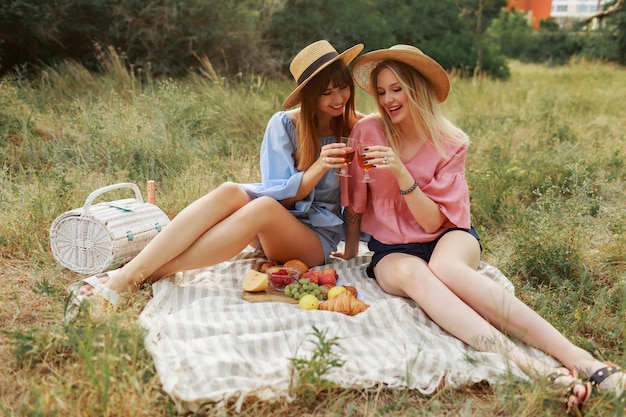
(392, 97)
(334, 99)
(329, 95)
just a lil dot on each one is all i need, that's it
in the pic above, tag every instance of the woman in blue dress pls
(293, 213)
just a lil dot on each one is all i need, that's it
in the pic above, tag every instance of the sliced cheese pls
(255, 281)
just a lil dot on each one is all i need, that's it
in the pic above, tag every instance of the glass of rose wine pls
(348, 157)
(365, 167)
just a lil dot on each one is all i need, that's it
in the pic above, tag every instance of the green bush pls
(600, 46)
(512, 33)
(234, 38)
(162, 38)
(436, 27)
(554, 48)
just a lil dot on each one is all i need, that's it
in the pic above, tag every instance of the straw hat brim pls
(428, 67)
(346, 56)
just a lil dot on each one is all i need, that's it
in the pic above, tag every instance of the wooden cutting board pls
(269, 295)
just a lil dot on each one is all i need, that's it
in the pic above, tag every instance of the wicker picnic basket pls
(103, 236)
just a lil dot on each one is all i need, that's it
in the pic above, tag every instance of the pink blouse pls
(386, 215)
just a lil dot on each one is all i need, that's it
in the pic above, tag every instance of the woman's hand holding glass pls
(365, 161)
(348, 156)
(333, 155)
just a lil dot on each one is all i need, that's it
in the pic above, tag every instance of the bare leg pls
(282, 237)
(409, 276)
(215, 228)
(454, 262)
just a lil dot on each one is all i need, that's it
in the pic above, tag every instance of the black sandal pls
(603, 373)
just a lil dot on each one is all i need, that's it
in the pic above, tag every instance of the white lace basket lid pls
(103, 236)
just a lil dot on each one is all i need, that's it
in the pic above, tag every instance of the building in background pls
(563, 12)
(536, 10)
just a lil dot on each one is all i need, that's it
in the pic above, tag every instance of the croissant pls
(351, 289)
(345, 303)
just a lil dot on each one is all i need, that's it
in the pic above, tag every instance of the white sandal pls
(99, 289)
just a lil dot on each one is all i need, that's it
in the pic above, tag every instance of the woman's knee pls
(455, 255)
(265, 203)
(231, 192)
(229, 187)
(400, 272)
(262, 207)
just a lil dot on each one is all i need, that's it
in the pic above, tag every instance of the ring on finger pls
(385, 160)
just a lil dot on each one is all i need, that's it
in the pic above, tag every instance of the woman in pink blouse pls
(417, 213)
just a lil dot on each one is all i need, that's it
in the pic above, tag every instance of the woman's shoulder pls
(292, 115)
(286, 119)
(368, 121)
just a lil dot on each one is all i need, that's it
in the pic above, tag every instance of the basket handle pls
(108, 188)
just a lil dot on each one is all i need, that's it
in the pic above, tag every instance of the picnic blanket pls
(209, 345)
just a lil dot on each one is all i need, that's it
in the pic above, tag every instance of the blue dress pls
(321, 209)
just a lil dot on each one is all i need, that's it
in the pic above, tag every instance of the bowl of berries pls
(281, 276)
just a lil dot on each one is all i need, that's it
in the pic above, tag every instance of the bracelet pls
(413, 187)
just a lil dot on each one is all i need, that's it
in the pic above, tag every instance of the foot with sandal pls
(92, 292)
(608, 378)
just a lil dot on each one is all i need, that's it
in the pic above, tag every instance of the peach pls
(329, 276)
(313, 275)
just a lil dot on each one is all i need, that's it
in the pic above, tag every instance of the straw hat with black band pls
(310, 61)
(410, 55)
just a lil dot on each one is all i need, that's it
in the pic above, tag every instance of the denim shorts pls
(422, 250)
(329, 236)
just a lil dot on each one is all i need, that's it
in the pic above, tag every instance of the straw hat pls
(410, 55)
(310, 61)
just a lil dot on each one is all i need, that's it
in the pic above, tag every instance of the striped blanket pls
(209, 345)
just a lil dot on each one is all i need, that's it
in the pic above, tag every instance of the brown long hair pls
(307, 132)
(430, 123)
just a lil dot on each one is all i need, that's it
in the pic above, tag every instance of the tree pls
(434, 26)
(38, 33)
(619, 21)
(512, 32)
(343, 24)
(479, 14)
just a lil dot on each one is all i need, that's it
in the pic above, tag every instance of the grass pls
(547, 178)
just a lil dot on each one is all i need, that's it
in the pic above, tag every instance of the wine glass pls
(348, 157)
(362, 159)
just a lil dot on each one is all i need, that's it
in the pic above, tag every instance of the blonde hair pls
(430, 123)
(307, 132)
